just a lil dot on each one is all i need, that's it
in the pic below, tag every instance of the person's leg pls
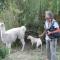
(48, 49)
(53, 44)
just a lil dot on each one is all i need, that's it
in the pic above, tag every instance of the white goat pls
(35, 40)
(9, 36)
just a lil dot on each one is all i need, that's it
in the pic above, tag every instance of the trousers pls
(51, 49)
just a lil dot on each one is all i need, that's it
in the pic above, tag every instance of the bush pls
(3, 52)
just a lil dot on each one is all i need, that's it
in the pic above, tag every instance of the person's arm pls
(56, 25)
(42, 33)
(58, 30)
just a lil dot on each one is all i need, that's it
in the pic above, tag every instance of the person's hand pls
(49, 32)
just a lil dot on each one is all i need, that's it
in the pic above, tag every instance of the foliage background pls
(16, 13)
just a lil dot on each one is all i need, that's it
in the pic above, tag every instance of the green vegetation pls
(3, 52)
(16, 13)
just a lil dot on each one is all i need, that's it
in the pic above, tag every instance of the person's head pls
(49, 15)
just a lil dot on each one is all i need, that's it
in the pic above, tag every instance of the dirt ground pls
(30, 54)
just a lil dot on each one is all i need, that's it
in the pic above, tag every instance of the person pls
(50, 43)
